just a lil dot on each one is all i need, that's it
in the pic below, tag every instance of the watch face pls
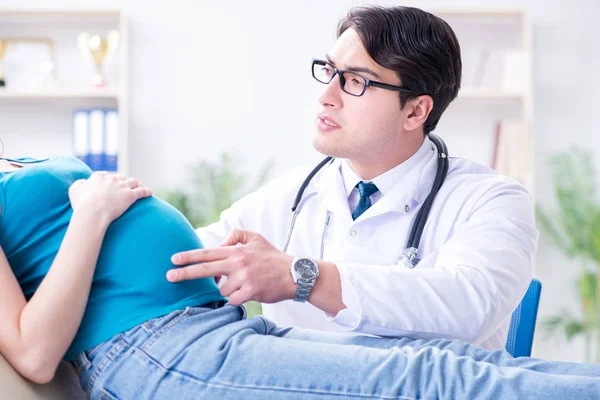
(306, 269)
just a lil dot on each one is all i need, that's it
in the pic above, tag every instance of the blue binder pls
(96, 159)
(81, 135)
(111, 118)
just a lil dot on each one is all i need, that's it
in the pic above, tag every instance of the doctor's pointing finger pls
(255, 270)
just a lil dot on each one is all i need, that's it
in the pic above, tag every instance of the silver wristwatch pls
(304, 273)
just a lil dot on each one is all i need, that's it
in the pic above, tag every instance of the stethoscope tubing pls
(414, 238)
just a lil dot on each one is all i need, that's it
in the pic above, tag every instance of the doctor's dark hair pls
(421, 48)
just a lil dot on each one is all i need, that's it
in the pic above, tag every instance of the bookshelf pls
(74, 94)
(492, 117)
(38, 118)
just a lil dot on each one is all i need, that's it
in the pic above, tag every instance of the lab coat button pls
(353, 233)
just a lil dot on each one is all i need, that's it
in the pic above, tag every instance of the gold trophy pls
(3, 46)
(98, 49)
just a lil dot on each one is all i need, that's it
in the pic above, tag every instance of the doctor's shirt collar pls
(389, 179)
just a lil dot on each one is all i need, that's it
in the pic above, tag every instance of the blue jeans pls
(206, 353)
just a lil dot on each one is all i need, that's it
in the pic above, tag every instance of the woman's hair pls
(421, 48)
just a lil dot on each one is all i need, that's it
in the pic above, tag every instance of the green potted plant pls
(211, 188)
(575, 229)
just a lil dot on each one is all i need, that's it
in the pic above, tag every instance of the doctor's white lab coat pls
(477, 250)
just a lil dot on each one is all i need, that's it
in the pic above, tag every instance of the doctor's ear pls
(418, 112)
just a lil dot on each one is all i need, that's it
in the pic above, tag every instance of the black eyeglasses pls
(350, 82)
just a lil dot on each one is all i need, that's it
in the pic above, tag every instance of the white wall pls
(209, 76)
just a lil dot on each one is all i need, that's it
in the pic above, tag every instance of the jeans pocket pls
(106, 395)
(156, 324)
(89, 353)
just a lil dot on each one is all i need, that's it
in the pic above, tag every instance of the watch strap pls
(303, 289)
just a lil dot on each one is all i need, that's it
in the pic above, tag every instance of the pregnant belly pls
(137, 250)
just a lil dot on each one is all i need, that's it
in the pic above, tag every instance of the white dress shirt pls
(477, 249)
(384, 182)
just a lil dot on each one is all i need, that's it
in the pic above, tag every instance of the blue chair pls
(522, 323)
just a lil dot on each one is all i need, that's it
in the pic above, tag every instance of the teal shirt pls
(129, 285)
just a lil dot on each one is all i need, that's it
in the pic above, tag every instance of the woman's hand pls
(107, 195)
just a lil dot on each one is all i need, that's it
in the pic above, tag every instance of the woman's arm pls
(35, 335)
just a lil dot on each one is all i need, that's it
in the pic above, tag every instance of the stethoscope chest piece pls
(409, 258)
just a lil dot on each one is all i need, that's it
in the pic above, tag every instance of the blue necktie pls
(365, 190)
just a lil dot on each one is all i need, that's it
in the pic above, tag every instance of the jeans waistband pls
(81, 360)
(214, 304)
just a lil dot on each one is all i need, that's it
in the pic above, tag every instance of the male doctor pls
(387, 80)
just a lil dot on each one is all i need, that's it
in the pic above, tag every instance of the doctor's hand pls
(255, 269)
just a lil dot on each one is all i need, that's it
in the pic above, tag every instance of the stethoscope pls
(409, 256)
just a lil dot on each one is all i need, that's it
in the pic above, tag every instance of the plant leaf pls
(213, 187)
(574, 328)
(575, 227)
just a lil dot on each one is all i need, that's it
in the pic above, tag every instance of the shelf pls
(110, 93)
(62, 18)
(59, 12)
(52, 109)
